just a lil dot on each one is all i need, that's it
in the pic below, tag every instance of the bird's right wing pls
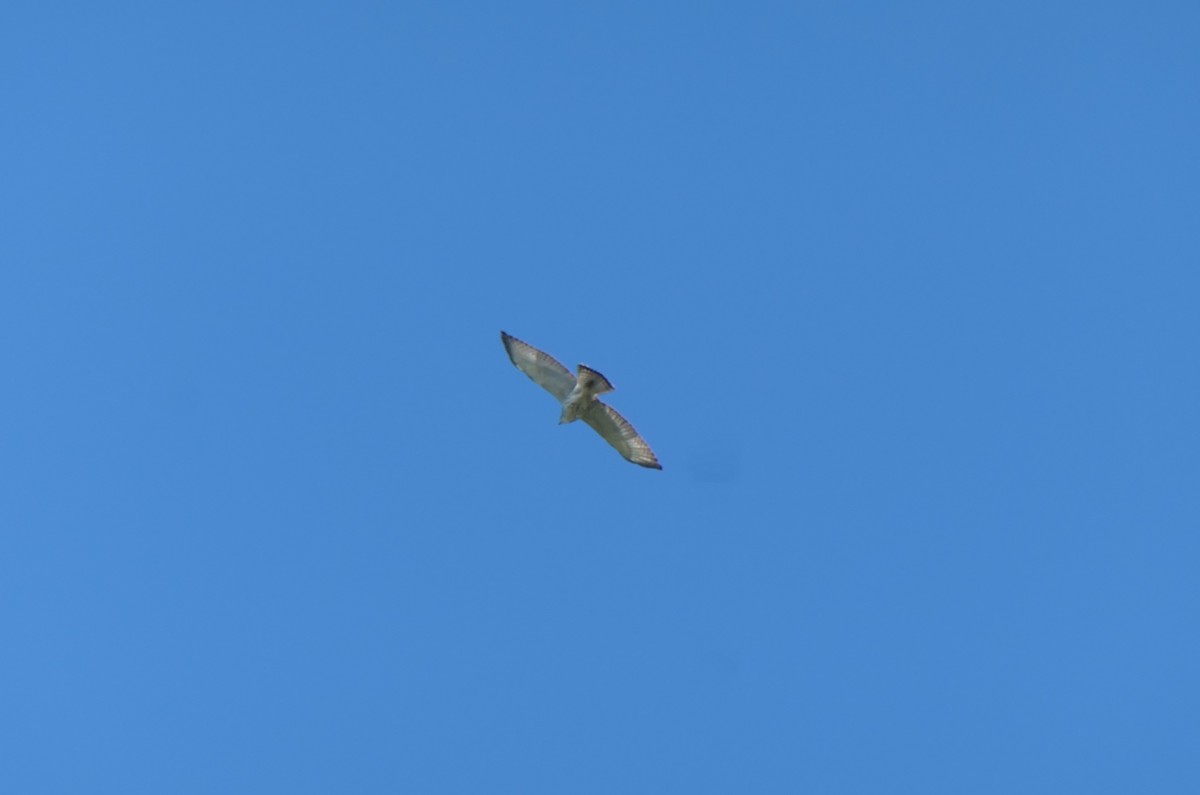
(545, 371)
(617, 431)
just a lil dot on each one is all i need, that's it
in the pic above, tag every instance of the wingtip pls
(506, 340)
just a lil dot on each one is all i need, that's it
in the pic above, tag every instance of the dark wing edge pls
(617, 431)
(542, 368)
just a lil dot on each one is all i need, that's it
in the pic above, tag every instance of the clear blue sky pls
(904, 296)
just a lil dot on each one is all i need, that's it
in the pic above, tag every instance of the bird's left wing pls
(543, 368)
(617, 431)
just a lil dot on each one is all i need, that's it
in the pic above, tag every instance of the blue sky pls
(904, 296)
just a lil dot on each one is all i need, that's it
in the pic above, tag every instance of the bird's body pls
(588, 384)
(577, 393)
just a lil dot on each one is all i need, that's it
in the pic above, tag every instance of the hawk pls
(577, 393)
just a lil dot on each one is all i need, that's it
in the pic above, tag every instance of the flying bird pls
(577, 394)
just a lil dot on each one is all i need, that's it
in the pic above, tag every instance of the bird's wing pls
(617, 431)
(545, 371)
